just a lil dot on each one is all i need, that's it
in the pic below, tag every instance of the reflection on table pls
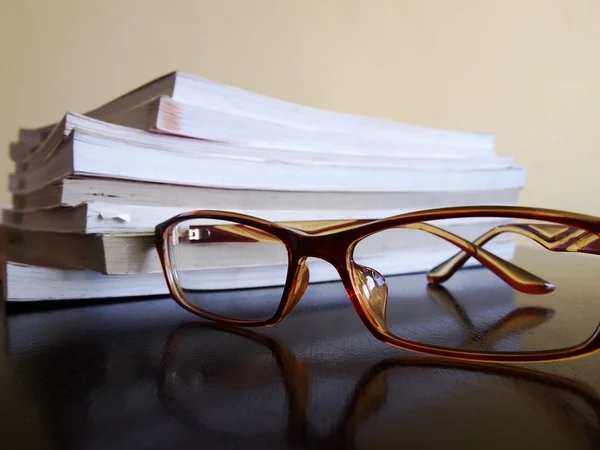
(147, 374)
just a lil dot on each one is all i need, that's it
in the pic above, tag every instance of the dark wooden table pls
(148, 375)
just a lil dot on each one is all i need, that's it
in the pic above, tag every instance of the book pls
(98, 217)
(26, 283)
(73, 191)
(348, 153)
(168, 116)
(89, 190)
(89, 154)
(121, 253)
(193, 90)
(202, 148)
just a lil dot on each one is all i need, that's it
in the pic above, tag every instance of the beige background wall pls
(525, 70)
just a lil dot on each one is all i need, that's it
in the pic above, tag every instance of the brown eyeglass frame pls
(569, 232)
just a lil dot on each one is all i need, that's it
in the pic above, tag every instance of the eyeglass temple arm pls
(513, 275)
(557, 238)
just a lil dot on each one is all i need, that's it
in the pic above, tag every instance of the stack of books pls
(88, 190)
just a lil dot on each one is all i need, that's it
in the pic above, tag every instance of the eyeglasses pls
(246, 271)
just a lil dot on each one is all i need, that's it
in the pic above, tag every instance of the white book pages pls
(100, 217)
(74, 191)
(169, 116)
(194, 90)
(91, 155)
(345, 153)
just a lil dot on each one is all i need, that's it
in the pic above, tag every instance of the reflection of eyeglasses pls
(368, 396)
(206, 253)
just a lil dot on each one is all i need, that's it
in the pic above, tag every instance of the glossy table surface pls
(146, 374)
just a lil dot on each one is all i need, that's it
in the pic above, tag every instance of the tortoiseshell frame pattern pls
(336, 247)
(556, 238)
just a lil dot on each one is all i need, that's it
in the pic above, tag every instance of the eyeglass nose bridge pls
(363, 284)
(332, 248)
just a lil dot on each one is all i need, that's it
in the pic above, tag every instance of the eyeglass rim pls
(343, 241)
